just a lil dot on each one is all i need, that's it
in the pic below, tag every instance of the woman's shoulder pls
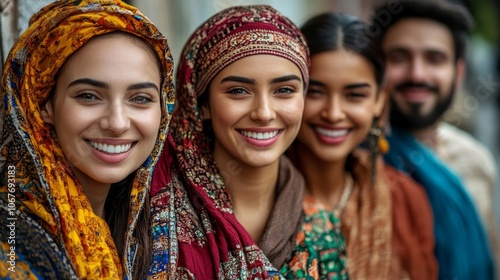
(413, 225)
(402, 182)
(409, 198)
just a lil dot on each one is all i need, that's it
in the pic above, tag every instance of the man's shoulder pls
(455, 144)
(449, 135)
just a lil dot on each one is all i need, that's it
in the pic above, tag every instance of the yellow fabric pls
(45, 185)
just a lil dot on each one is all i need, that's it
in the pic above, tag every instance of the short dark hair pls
(332, 31)
(454, 16)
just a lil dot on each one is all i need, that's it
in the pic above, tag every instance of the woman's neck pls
(96, 192)
(253, 193)
(325, 181)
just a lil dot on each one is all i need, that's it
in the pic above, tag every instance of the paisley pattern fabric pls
(195, 231)
(38, 188)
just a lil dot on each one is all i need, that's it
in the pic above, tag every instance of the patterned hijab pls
(46, 191)
(192, 210)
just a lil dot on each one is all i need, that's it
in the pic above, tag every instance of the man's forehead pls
(418, 35)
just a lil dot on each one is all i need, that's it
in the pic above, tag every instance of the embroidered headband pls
(238, 32)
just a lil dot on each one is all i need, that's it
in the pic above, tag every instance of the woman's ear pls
(47, 112)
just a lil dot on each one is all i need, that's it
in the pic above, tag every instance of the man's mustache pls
(410, 85)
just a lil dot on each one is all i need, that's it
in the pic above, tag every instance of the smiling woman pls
(356, 209)
(255, 107)
(106, 118)
(222, 186)
(87, 92)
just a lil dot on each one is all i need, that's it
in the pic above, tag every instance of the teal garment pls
(462, 248)
(320, 251)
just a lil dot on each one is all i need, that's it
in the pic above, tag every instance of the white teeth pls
(111, 149)
(330, 132)
(260, 135)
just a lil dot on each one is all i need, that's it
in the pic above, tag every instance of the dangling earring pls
(377, 143)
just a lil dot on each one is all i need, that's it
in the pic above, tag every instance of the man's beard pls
(415, 120)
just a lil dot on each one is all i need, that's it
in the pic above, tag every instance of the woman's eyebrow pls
(285, 79)
(357, 85)
(88, 81)
(104, 85)
(238, 79)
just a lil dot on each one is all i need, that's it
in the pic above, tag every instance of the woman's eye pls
(237, 91)
(285, 90)
(141, 99)
(87, 97)
(356, 95)
(314, 92)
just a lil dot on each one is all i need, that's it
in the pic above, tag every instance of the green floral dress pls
(320, 251)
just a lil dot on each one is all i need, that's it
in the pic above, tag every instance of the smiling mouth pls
(110, 149)
(260, 135)
(331, 132)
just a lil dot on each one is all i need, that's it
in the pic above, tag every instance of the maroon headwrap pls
(236, 33)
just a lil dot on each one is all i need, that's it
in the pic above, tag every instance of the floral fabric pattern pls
(320, 246)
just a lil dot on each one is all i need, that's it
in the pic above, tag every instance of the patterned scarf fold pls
(367, 223)
(48, 196)
(462, 248)
(192, 237)
(195, 231)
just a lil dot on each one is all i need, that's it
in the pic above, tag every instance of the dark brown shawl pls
(278, 240)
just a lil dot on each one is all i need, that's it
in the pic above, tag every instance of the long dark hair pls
(116, 212)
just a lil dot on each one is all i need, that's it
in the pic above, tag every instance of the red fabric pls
(224, 241)
(413, 234)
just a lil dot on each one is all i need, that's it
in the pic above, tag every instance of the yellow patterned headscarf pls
(44, 189)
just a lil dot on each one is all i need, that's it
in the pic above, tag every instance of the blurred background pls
(477, 104)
